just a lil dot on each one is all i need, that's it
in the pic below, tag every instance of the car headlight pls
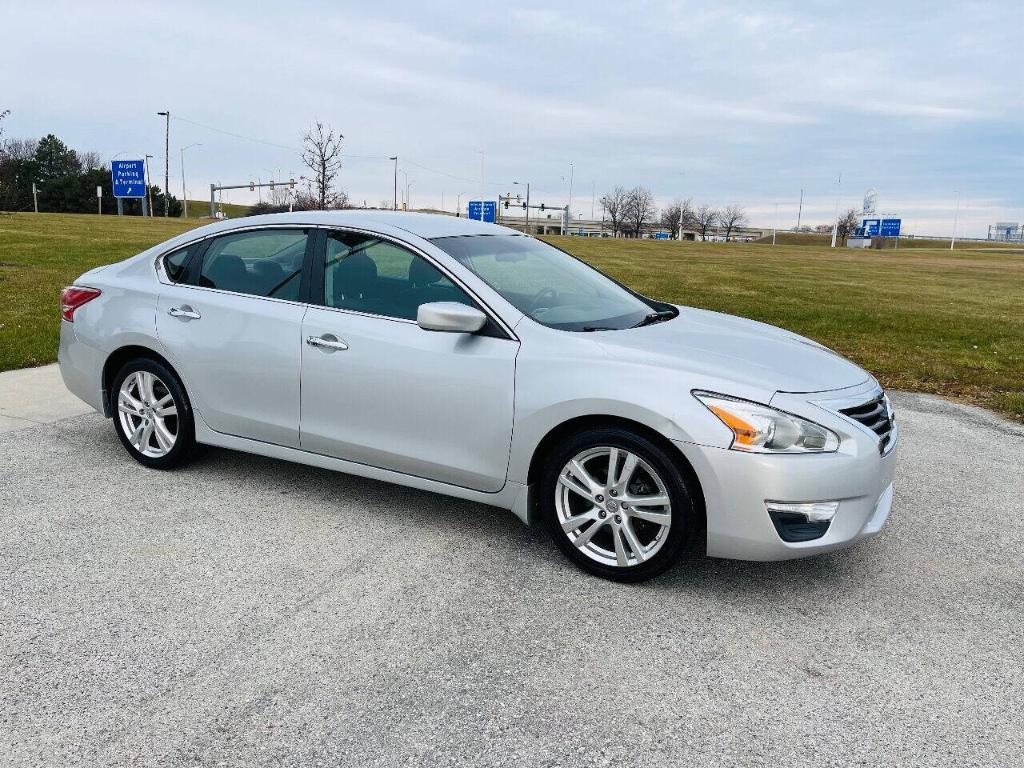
(757, 428)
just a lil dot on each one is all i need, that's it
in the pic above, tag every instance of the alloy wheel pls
(613, 506)
(148, 414)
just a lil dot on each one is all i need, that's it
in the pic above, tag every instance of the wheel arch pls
(593, 421)
(116, 359)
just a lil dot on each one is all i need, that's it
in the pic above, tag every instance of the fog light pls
(813, 511)
(801, 521)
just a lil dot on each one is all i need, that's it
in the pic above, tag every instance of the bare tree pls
(321, 153)
(21, 149)
(279, 196)
(846, 224)
(91, 160)
(614, 205)
(732, 217)
(704, 219)
(639, 209)
(341, 200)
(678, 215)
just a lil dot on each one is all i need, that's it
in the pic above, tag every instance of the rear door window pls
(264, 262)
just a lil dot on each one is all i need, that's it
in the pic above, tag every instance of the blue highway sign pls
(483, 210)
(871, 227)
(128, 177)
(891, 227)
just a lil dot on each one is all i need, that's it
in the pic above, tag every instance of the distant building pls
(1006, 231)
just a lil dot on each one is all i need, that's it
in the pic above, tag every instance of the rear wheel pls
(152, 416)
(616, 504)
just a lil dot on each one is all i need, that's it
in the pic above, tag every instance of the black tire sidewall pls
(682, 501)
(185, 441)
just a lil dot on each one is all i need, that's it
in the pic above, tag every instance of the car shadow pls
(492, 527)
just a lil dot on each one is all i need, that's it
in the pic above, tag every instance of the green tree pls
(55, 160)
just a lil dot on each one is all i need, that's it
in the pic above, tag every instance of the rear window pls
(174, 263)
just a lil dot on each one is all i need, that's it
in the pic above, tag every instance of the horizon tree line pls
(629, 211)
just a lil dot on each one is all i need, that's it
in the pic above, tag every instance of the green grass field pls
(920, 319)
(201, 208)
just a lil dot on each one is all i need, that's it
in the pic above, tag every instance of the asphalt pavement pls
(250, 612)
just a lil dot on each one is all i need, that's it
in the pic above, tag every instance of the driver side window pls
(369, 274)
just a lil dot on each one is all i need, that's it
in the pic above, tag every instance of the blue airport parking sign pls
(890, 227)
(483, 210)
(128, 177)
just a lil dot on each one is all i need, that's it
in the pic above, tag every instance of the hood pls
(733, 348)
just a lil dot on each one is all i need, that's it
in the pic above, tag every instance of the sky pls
(726, 103)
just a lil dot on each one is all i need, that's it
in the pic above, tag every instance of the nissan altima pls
(468, 359)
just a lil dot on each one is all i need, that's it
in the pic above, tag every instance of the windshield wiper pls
(656, 317)
(590, 328)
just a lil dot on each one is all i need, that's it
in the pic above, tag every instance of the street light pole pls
(956, 218)
(167, 163)
(835, 221)
(395, 158)
(527, 204)
(572, 174)
(184, 192)
(483, 194)
(149, 187)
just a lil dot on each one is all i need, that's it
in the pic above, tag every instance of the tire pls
(614, 527)
(149, 405)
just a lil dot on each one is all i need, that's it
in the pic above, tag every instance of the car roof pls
(425, 225)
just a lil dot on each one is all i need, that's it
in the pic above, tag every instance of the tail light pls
(74, 296)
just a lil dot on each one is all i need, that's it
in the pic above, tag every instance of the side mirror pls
(450, 317)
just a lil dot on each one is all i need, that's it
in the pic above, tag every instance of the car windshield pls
(547, 284)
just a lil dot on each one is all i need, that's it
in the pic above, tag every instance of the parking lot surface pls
(246, 611)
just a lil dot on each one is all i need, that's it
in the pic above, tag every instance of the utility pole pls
(167, 163)
(593, 194)
(149, 186)
(35, 198)
(527, 204)
(482, 193)
(572, 174)
(956, 218)
(775, 223)
(184, 193)
(800, 210)
(395, 158)
(835, 220)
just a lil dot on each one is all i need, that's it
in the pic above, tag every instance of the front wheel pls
(616, 504)
(152, 415)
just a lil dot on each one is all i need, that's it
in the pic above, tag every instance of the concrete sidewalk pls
(33, 396)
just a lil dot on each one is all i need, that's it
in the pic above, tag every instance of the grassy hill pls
(201, 209)
(920, 319)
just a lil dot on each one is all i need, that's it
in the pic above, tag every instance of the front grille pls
(876, 416)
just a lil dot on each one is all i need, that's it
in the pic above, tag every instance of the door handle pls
(326, 343)
(185, 311)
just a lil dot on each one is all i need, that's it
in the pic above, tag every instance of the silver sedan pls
(467, 359)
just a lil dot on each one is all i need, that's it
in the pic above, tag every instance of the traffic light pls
(252, 186)
(524, 206)
(506, 205)
(542, 206)
(291, 183)
(271, 185)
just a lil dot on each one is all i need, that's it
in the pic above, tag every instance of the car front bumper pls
(736, 486)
